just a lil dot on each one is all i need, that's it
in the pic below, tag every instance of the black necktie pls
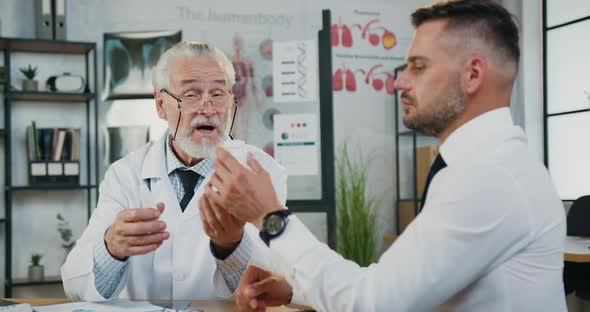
(189, 180)
(437, 165)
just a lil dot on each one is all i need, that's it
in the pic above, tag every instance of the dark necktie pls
(437, 165)
(189, 180)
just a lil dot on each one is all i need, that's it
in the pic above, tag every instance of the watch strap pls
(267, 237)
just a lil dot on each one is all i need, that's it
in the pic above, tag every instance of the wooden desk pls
(576, 249)
(206, 305)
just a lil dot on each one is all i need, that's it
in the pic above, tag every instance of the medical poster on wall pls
(366, 46)
(245, 32)
(296, 145)
(295, 71)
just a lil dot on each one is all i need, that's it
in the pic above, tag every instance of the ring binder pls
(44, 19)
(60, 19)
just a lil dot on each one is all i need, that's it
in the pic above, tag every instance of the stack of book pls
(53, 144)
(54, 155)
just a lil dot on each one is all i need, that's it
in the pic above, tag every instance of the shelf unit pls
(49, 280)
(50, 96)
(49, 187)
(87, 50)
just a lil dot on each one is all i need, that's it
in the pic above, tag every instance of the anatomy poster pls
(253, 56)
(295, 70)
(366, 47)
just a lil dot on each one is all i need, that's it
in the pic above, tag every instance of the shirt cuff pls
(297, 298)
(107, 270)
(233, 266)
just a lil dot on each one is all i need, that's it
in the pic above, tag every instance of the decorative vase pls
(36, 273)
(30, 85)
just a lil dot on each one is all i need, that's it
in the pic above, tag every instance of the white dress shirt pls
(490, 238)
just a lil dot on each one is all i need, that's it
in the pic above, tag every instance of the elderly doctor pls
(150, 237)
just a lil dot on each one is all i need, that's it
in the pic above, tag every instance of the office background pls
(364, 118)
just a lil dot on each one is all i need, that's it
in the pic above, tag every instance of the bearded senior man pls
(490, 234)
(148, 237)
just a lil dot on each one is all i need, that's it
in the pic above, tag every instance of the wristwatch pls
(274, 224)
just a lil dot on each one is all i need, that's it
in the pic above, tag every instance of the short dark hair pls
(488, 19)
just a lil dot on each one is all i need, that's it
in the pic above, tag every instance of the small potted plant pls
(65, 232)
(36, 270)
(30, 84)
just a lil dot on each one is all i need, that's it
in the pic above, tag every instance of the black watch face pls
(274, 224)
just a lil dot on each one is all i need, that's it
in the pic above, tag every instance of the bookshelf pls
(49, 96)
(49, 280)
(88, 99)
(63, 187)
(46, 46)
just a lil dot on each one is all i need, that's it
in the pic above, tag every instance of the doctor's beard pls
(206, 148)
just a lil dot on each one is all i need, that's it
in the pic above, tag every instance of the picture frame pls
(129, 58)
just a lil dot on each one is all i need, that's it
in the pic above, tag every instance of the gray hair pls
(161, 74)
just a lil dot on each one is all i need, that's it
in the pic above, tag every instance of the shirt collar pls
(477, 135)
(204, 168)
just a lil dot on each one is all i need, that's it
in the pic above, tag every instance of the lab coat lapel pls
(154, 171)
(154, 164)
(157, 188)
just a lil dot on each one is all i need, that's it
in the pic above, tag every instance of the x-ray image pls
(128, 61)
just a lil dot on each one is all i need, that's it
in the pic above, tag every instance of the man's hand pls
(136, 231)
(259, 289)
(224, 229)
(246, 193)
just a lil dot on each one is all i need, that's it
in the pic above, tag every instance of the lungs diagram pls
(372, 31)
(362, 50)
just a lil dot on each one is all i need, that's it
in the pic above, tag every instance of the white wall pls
(531, 73)
(527, 100)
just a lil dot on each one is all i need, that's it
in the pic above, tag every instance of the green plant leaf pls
(30, 72)
(356, 219)
(36, 259)
(64, 230)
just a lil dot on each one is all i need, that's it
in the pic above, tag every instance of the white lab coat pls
(182, 267)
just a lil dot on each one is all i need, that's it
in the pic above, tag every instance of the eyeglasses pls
(219, 100)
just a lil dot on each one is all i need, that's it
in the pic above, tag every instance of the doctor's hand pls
(224, 229)
(246, 193)
(136, 231)
(259, 289)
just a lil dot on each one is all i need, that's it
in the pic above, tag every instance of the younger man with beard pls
(490, 235)
(148, 238)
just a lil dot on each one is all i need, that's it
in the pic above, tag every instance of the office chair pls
(576, 276)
